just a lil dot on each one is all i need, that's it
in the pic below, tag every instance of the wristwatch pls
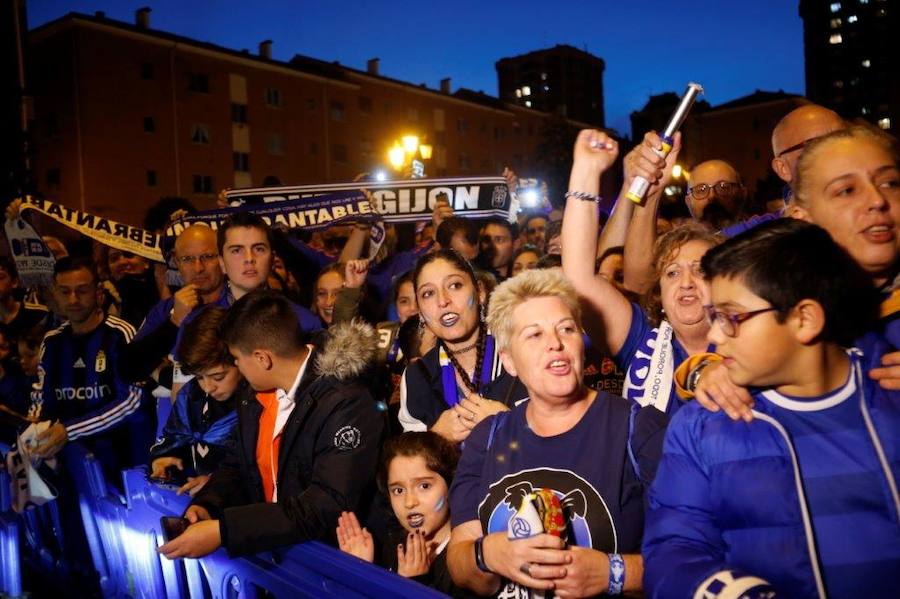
(694, 377)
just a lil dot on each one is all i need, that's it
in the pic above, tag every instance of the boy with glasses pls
(803, 500)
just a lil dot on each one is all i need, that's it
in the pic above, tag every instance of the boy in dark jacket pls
(802, 501)
(306, 443)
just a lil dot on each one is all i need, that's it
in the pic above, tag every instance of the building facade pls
(563, 80)
(126, 114)
(850, 64)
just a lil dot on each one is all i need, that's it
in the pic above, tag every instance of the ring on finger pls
(525, 569)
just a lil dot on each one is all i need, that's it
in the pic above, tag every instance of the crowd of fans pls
(567, 405)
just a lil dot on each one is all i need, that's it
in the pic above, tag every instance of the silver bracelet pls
(584, 196)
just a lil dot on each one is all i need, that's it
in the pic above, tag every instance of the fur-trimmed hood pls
(348, 349)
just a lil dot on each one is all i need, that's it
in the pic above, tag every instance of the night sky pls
(732, 48)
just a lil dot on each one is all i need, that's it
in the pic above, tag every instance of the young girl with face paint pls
(416, 471)
(461, 381)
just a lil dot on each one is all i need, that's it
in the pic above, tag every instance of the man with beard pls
(496, 249)
(716, 195)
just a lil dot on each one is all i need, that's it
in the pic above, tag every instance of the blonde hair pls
(666, 247)
(807, 163)
(525, 286)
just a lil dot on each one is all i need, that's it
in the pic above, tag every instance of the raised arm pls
(638, 259)
(608, 312)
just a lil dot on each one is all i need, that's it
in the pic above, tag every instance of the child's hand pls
(451, 426)
(416, 558)
(355, 540)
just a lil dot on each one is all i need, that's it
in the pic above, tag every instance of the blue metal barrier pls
(310, 569)
(10, 563)
(124, 533)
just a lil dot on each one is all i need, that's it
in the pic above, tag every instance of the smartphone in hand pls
(172, 526)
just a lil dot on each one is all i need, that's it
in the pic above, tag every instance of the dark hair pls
(73, 263)
(406, 277)
(788, 260)
(33, 337)
(9, 265)
(513, 228)
(464, 265)
(201, 344)
(159, 214)
(263, 319)
(441, 456)
(451, 226)
(530, 216)
(617, 250)
(409, 338)
(528, 248)
(549, 261)
(554, 229)
(242, 219)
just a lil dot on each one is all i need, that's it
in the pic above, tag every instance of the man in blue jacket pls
(803, 500)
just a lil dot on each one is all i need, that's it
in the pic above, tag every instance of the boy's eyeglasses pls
(729, 322)
(725, 189)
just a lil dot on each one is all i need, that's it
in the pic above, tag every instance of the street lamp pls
(404, 152)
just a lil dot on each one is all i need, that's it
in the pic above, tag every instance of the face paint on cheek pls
(440, 503)
(471, 301)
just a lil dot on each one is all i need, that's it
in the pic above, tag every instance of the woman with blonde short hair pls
(545, 496)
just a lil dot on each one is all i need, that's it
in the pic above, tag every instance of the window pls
(835, 23)
(203, 184)
(199, 133)
(851, 19)
(365, 104)
(241, 162)
(835, 6)
(835, 39)
(388, 109)
(440, 137)
(526, 90)
(865, 110)
(337, 111)
(528, 103)
(275, 144)
(884, 123)
(461, 125)
(339, 153)
(498, 132)
(311, 104)
(543, 76)
(53, 176)
(412, 114)
(198, 82)
(149, 124)
(464, 161)
(238, 113)
(273, 97)
(151, 178)
(313, 148)
(838, 83)
(866, 63)
(148, 71)
(518, 92)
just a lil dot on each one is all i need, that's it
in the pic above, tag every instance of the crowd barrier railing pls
(123, 534)
(10, 563)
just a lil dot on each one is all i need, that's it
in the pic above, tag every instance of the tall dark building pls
(561, 79)
(850, 66)
(14, 104)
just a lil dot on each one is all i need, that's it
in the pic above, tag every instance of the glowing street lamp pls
(396, 156)
(410, 143)
(404, 153)
(425, 150)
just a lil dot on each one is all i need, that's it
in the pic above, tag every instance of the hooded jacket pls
(327, 457)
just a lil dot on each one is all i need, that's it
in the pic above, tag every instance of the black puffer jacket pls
(327, 458)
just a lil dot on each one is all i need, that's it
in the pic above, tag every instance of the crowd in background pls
(575, 402)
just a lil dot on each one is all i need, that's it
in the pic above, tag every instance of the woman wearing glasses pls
(648, 341)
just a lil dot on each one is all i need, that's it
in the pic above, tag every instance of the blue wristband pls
(616, 574)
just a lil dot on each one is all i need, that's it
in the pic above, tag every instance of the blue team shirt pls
(587, 468)
(635, 354)
(854, 522)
